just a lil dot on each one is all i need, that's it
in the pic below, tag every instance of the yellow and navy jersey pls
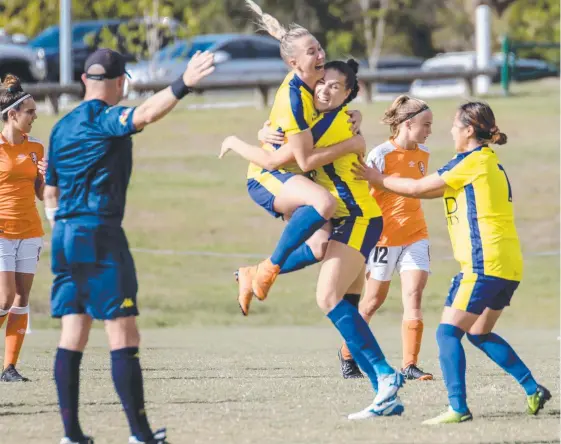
(480, 215)
(293, 112)
(353, 196)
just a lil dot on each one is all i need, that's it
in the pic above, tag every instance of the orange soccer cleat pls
(264, 279)
(244, 277)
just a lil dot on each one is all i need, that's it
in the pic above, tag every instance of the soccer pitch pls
(273, 377)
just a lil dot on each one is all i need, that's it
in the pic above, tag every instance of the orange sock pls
(15, 334)
(345, 352)
(3, 316)
(411, 336)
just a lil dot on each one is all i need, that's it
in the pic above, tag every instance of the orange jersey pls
(404, 220)
(19, 218)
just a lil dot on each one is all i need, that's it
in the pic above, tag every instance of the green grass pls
(183, 198)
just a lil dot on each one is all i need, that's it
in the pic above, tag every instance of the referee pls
(89, 167)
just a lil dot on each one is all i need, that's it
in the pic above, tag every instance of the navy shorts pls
(360, 233)
(265, 187)
(94, 271)
(476, 292)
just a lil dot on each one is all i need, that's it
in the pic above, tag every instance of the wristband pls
(179, 89)
(50, 213)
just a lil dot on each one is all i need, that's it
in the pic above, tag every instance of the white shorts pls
(383, 261)
(20, 255)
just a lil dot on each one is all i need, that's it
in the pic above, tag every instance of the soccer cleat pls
(244, 277)
(10, 374)
(349, 368)
(264, 278)
(388, 386)
(159, 437)
(86, 440)
(413, 372)
(449, 417)
(537, 401)
(392, 407)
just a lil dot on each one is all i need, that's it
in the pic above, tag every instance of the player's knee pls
(6, 300)
(325, 205)
(318, 246)
(326, 301)
(369, 305)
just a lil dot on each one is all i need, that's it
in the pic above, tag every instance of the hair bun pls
(12, 84)
(353, 64)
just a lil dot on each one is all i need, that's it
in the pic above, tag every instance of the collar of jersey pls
(4, 141)
(299, 82)
(479, 148)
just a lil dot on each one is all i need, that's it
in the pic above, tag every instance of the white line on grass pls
(261, 256)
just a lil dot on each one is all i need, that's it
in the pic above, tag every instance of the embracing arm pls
(270, 160)
(429, 187)
(309, 159)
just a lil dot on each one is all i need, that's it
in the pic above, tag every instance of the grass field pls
(183, 199)
(279, 385)
(215, 376)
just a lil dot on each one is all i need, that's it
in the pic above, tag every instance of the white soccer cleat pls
(389, 408)
(388, 386)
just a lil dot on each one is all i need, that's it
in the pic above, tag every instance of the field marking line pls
(262, 256)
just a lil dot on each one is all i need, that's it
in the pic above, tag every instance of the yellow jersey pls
(479, 211)
(353, 196)
(293, 112)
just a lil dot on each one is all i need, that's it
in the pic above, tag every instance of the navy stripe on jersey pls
(296, 105)
(507, 182)
(456, 160)
(475, 235)
(321, 127)
(298, 82)
(343, 190)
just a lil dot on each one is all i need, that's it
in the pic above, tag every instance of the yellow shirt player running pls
(479, 211)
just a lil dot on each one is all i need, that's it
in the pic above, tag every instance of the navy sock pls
(500, 352)
(453, 364)
(298, 259)
(352, 298)
(127, 377)
(67, 379)
(304, 222)
(360, 340)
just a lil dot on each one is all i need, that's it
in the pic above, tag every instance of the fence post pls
(262, 96)
(505, 72)
(51, 100)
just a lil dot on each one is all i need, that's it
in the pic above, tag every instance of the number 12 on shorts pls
(381, 255)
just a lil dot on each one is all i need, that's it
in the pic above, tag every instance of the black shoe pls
(85, 440)
(10, 374)
(349, 368)
(414, 372)
(159, 437)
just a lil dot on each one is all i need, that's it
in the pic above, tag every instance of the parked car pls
(397, 62)
(521, 70)
(49, 41)
(26, 63)
(235, 55)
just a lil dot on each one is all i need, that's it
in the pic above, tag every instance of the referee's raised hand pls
(200, 66)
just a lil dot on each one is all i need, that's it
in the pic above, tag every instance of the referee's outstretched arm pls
(161, 103)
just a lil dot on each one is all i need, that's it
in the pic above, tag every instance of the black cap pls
(111, 61)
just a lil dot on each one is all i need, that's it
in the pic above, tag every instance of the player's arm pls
(50, 195)
(269, 160)
(308, 159)
(161, 103)
(429, 187)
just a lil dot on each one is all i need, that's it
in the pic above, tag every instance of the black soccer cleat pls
(349, 368)
(159, 437)
(10, 374)
(412, 372)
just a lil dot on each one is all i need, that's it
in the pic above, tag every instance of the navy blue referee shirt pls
(90, 161)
